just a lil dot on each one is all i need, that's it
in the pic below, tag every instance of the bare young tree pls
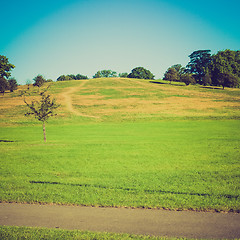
(43, 109)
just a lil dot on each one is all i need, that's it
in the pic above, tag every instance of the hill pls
(113, 99)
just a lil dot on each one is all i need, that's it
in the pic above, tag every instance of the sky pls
(55, 37)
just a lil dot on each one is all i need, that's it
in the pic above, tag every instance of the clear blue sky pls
(54, 37)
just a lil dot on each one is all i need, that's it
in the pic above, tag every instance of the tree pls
(3, 85)
(80, 77)
(5, 67)
(39, 80)
(199, 62)
(12, 84)
(123, 75)
(225, 62)
(228, 80)
(141, 73)
(171, 75)
(42, 110)
(105, 74)
(187, 78)
(207, 79)
(72, 76)
(64, 78)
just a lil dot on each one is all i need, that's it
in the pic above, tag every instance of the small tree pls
(187, 78)
(228, 80)
(64, 78)
(39, 80)
(42, 110)
(123, 75)
(171, 75)
(80, 77)
(12, 84)
(105, 74)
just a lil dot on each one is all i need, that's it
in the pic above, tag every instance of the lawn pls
(165, 164)
(53, 234)
(124, 143)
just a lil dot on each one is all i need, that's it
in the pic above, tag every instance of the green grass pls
(165, 164)
(150, 145)
(53, 234)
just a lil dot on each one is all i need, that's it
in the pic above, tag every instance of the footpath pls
(122, 220)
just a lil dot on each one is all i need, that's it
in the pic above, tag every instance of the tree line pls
(220, 69)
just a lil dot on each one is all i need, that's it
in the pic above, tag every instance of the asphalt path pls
(163, 223)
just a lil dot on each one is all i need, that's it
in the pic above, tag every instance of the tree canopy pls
(105, 74)
(39, 80)
(199, 62)
(171, 75)
(12, 84)
(5, 67)
(141, 73)
(225, 65)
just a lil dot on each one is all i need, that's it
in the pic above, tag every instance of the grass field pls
(53, 234)
(125, 143)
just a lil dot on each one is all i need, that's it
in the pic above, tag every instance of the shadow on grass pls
(6, 141)
(212, 87)
(170, 84)
(136, 190)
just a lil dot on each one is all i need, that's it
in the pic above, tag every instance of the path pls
(67, 96)
(120, 220)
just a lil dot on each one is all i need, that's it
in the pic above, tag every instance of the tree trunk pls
(44, 132)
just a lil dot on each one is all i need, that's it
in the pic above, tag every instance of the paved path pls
(120, 220)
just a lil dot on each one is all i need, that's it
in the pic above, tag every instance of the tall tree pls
(225, 64)
(42, 110)
(141, 73)
(198, 64)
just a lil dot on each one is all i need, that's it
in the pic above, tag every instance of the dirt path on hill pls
(121, 220)
(67, 97)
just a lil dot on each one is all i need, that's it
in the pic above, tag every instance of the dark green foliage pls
(228, 80)
(79, 77)
(5, 67)
(105, 74)
(141, 73)
(3, 85)
(123, 75)
(71, 77)
(187, 78)
(171, 75)
(199, 62)
(64, 78)
(225, 62)
(207, 79)
(39, 80)
(12, 84)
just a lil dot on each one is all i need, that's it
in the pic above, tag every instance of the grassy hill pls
(125, 142)
(116, 100)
